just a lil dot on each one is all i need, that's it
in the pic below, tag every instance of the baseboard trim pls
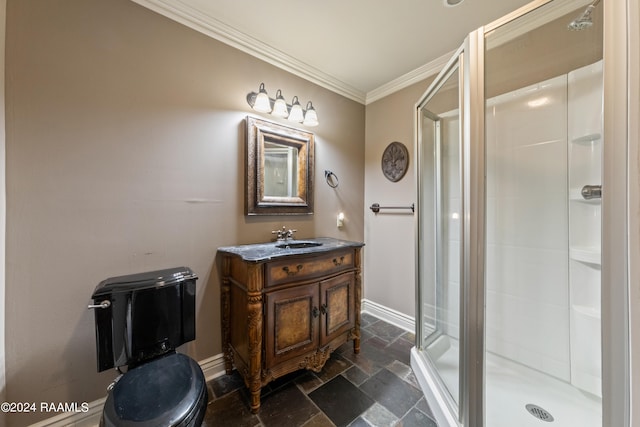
(389, 315)
(213, 367)
(91, 418)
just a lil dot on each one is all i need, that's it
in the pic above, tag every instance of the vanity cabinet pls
(288, 309)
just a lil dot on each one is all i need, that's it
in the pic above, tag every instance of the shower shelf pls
(587, 138)
(589, 255)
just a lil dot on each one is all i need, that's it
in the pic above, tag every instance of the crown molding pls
(430, 69)
(212, 27)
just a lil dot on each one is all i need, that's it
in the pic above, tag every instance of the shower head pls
(583, 21)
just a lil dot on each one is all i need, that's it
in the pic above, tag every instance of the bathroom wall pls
(125, 147)
(527, 275)
(389, 256)
(3, 5)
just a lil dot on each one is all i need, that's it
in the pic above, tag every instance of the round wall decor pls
(395, 161)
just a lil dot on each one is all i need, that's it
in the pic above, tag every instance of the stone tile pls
(283, 381)
(341, 401)
(380, 416)
(365, 335)
(320, 420)
(353, 390)
(355, 375)
(367, 319)
(404, 372)
(231, 409)
(372, 357)
(400, 369)
(359, 422)
(287, 407)
(416, 418)
(385, 331)
(308, 382)
(400, 349)
(409, 336)
(423, 406)
(334, 366)
(226, 383)
(391, 392)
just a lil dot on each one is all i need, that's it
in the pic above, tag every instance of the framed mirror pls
(279, 161)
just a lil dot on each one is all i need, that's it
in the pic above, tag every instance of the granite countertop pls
(260, 252)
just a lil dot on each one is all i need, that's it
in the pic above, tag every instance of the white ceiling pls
(353, 47)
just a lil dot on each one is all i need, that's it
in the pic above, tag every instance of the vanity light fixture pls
(262, 102)
(310, 117)
(278, 107)
(296, 114)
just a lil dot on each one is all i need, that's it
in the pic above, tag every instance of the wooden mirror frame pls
(256, 202)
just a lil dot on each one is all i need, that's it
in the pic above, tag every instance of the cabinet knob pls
(323, 309)
(337, 262)
(315, 312)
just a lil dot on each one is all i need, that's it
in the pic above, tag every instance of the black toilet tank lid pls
(146, 280)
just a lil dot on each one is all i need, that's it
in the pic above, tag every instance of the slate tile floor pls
(374, 388)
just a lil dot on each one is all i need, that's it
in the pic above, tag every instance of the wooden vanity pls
(287, 308)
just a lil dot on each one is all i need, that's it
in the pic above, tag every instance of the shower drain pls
(539, 413)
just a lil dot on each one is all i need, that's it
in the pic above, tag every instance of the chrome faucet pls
(284, 234)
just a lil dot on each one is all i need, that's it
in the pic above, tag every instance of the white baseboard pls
(91, 418)
(212, 368)
(389, 315)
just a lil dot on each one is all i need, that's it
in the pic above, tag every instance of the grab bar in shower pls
(591, 192)
(376, 207)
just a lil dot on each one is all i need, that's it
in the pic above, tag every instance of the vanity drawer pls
(296, 269)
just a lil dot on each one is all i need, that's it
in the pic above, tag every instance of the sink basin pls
(297, 244)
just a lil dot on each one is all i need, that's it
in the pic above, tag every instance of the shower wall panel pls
(527, 227)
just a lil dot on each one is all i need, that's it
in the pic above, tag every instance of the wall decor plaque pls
(395, 161)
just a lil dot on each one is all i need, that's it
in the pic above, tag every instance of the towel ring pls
(331, 178)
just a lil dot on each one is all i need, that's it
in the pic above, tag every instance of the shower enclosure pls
(513, 290)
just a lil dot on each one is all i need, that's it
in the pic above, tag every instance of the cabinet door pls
(337, 306)
(291, 323)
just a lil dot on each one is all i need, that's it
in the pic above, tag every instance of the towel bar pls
(376, 207)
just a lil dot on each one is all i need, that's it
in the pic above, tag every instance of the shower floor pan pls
(511, 387)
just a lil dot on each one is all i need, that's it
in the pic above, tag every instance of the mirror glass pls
(279, 178)
(280, 170)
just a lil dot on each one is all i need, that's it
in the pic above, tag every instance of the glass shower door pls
(543, 136)
(439, 230)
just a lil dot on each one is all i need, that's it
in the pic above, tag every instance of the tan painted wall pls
(125, 154)
(389, 263)
(3, 6)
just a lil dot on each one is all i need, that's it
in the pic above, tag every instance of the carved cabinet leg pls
(255, 348)
(357, 303)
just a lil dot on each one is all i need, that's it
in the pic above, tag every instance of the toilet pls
(140, 321)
